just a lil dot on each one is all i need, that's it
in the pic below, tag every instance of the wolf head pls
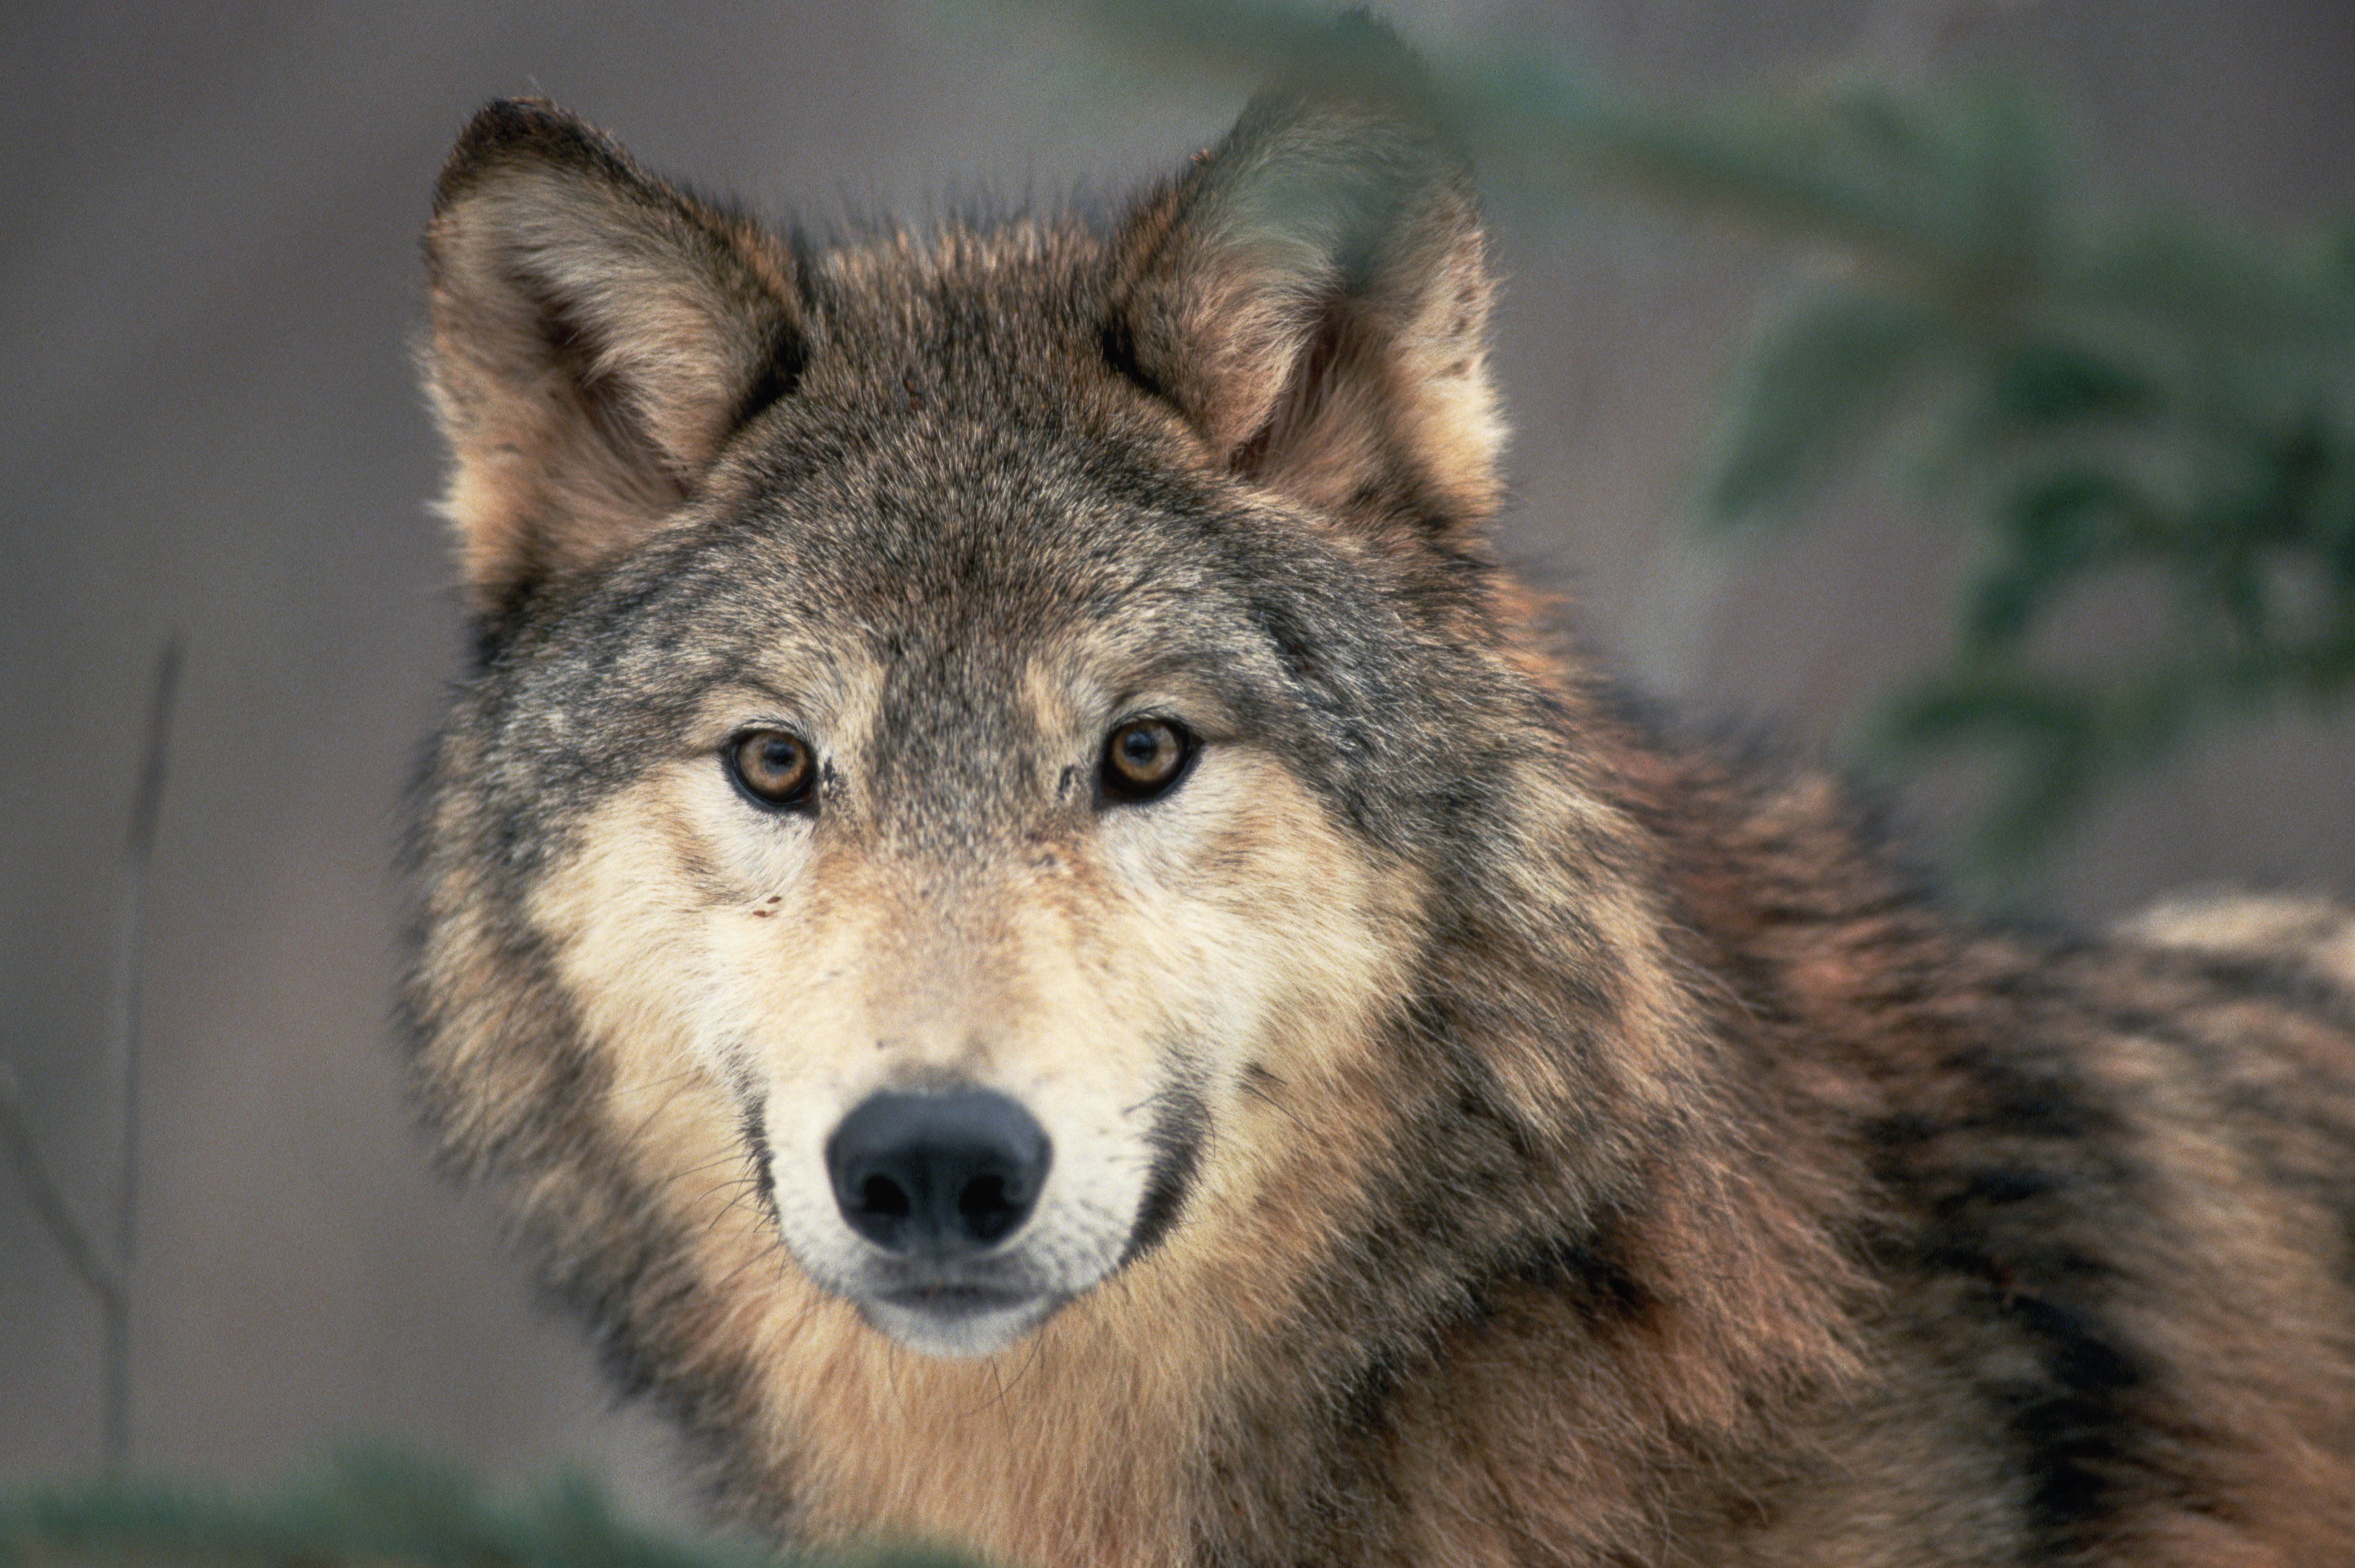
(951, 694)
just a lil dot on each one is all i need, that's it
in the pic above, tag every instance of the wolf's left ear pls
(1313, 295)
(597, 337)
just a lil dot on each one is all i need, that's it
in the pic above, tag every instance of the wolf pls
(1058, 961)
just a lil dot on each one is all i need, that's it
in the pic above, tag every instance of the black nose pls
(937, 1174)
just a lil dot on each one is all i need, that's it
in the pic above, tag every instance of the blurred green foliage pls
(2159, 406)
(2149, 406)
(372, 1506)
(377, 1507)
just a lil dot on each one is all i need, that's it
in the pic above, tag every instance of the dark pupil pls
(777, 763)
(1141, 750)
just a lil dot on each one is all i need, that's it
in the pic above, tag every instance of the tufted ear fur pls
(597, 335)
(1313, 295)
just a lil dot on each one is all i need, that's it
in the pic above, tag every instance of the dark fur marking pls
(2082, 1441)
(2287, 980)
(1181, 1124)
(780, 373)
(1365, 1399)
(2003, 1187)
(756, 1140)
(2079, 1440)
(1585, 1271)
(1117, 343)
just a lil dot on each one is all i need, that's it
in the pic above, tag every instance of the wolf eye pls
(1144, 759)
(774, 766)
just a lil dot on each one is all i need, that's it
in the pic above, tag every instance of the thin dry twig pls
(73, 1237)
(109, 1278)
(138, 861)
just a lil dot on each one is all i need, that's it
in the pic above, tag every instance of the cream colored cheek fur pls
(629, 920)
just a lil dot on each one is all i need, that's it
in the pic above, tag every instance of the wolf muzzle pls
(937, 1176)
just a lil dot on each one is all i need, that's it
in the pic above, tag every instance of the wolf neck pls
(1069, 1449)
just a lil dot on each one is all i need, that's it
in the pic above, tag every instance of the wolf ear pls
(597, 337)
(1313, 295)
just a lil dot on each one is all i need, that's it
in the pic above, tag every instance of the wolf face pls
(979, 924)
(950, 693)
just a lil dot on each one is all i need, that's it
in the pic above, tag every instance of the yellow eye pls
(1144, 759)
(776, 767)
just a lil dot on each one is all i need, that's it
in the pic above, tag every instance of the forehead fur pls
(959, 429)
(959, 455)
(952, 542)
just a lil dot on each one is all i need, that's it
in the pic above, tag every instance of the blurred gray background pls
(211, 284)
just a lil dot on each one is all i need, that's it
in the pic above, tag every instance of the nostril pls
(986, 1207)
(883, 1198)
(937, 1174)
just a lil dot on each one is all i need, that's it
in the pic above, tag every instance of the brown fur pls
(1580, 1147)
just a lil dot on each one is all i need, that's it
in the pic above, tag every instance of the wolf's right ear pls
(597, 337)
(1312, 294)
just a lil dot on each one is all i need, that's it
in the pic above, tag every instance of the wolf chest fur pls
(1057, 962)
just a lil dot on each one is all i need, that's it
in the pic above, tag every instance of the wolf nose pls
(937, 1174)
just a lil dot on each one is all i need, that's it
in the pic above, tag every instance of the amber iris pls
(774, 766)
(1144, 759)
